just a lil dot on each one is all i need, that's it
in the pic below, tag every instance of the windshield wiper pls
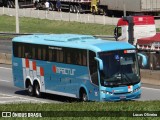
(129, 80)
(114, 81)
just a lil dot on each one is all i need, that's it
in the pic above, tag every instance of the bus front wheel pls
(83, 96)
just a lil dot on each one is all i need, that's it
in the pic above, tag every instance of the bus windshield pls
(119, 68)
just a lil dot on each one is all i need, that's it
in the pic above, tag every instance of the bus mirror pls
(142, 59)
(100, 62)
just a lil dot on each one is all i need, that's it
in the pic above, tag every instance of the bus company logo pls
(64, 71)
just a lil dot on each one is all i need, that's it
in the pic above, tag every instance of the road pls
(11, 94)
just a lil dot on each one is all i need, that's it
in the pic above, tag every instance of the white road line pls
(151, 88)
(7, 97)
(5, 68)
(27, 99)
(5, 80)
(15, 101)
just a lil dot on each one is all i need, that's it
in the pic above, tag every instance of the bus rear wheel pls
(37, 90)
(30, 90)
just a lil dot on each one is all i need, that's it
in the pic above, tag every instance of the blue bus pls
(78, 66)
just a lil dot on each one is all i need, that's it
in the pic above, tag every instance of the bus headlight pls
(106, 92)
(135, 90)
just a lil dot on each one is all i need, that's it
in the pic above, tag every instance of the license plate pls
(122, 97)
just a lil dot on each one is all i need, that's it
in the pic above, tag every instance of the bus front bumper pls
(121, 97)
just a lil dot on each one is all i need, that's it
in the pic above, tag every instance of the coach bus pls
(78, 66)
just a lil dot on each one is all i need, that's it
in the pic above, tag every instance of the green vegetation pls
(86, 106)
(134, 106)
(33, 25)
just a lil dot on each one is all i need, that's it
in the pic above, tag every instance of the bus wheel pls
(37, 90)
(84, 96)
(30, 90)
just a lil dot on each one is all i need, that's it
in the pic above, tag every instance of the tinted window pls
(93, 67)
(50, 53)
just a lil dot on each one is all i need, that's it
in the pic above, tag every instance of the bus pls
(78, 66)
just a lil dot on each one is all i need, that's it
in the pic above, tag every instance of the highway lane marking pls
(22, 98)
(5, 68)
(150, 88)
(6, 96)
(16, 101)
(5, 80)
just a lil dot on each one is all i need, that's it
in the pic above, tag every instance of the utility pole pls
(17, 17)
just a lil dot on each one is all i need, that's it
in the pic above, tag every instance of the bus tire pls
(30, 90)
(37, 90)
(83, 95)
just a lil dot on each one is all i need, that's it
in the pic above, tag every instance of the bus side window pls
(68, 56)
(84, 59)
(44, 55)
(27, 49)
(23, 50)
(39, 53)
(50, 55)
(59, 56)
(19, 51)
(78, 59)
(93, 67)
(33, 52)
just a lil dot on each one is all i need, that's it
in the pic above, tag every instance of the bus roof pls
(73, 41)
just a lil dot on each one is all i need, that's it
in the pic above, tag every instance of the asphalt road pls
(11, 94)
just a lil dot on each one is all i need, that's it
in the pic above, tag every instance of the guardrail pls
(9, 33)
(5, 58)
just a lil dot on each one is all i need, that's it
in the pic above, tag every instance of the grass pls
(33, 25)
(86, 106)
(119, 107)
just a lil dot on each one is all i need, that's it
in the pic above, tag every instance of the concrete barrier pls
(2, 58)
(150, 77)
(8, 59)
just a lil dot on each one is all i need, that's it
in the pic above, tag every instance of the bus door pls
(93, 90)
